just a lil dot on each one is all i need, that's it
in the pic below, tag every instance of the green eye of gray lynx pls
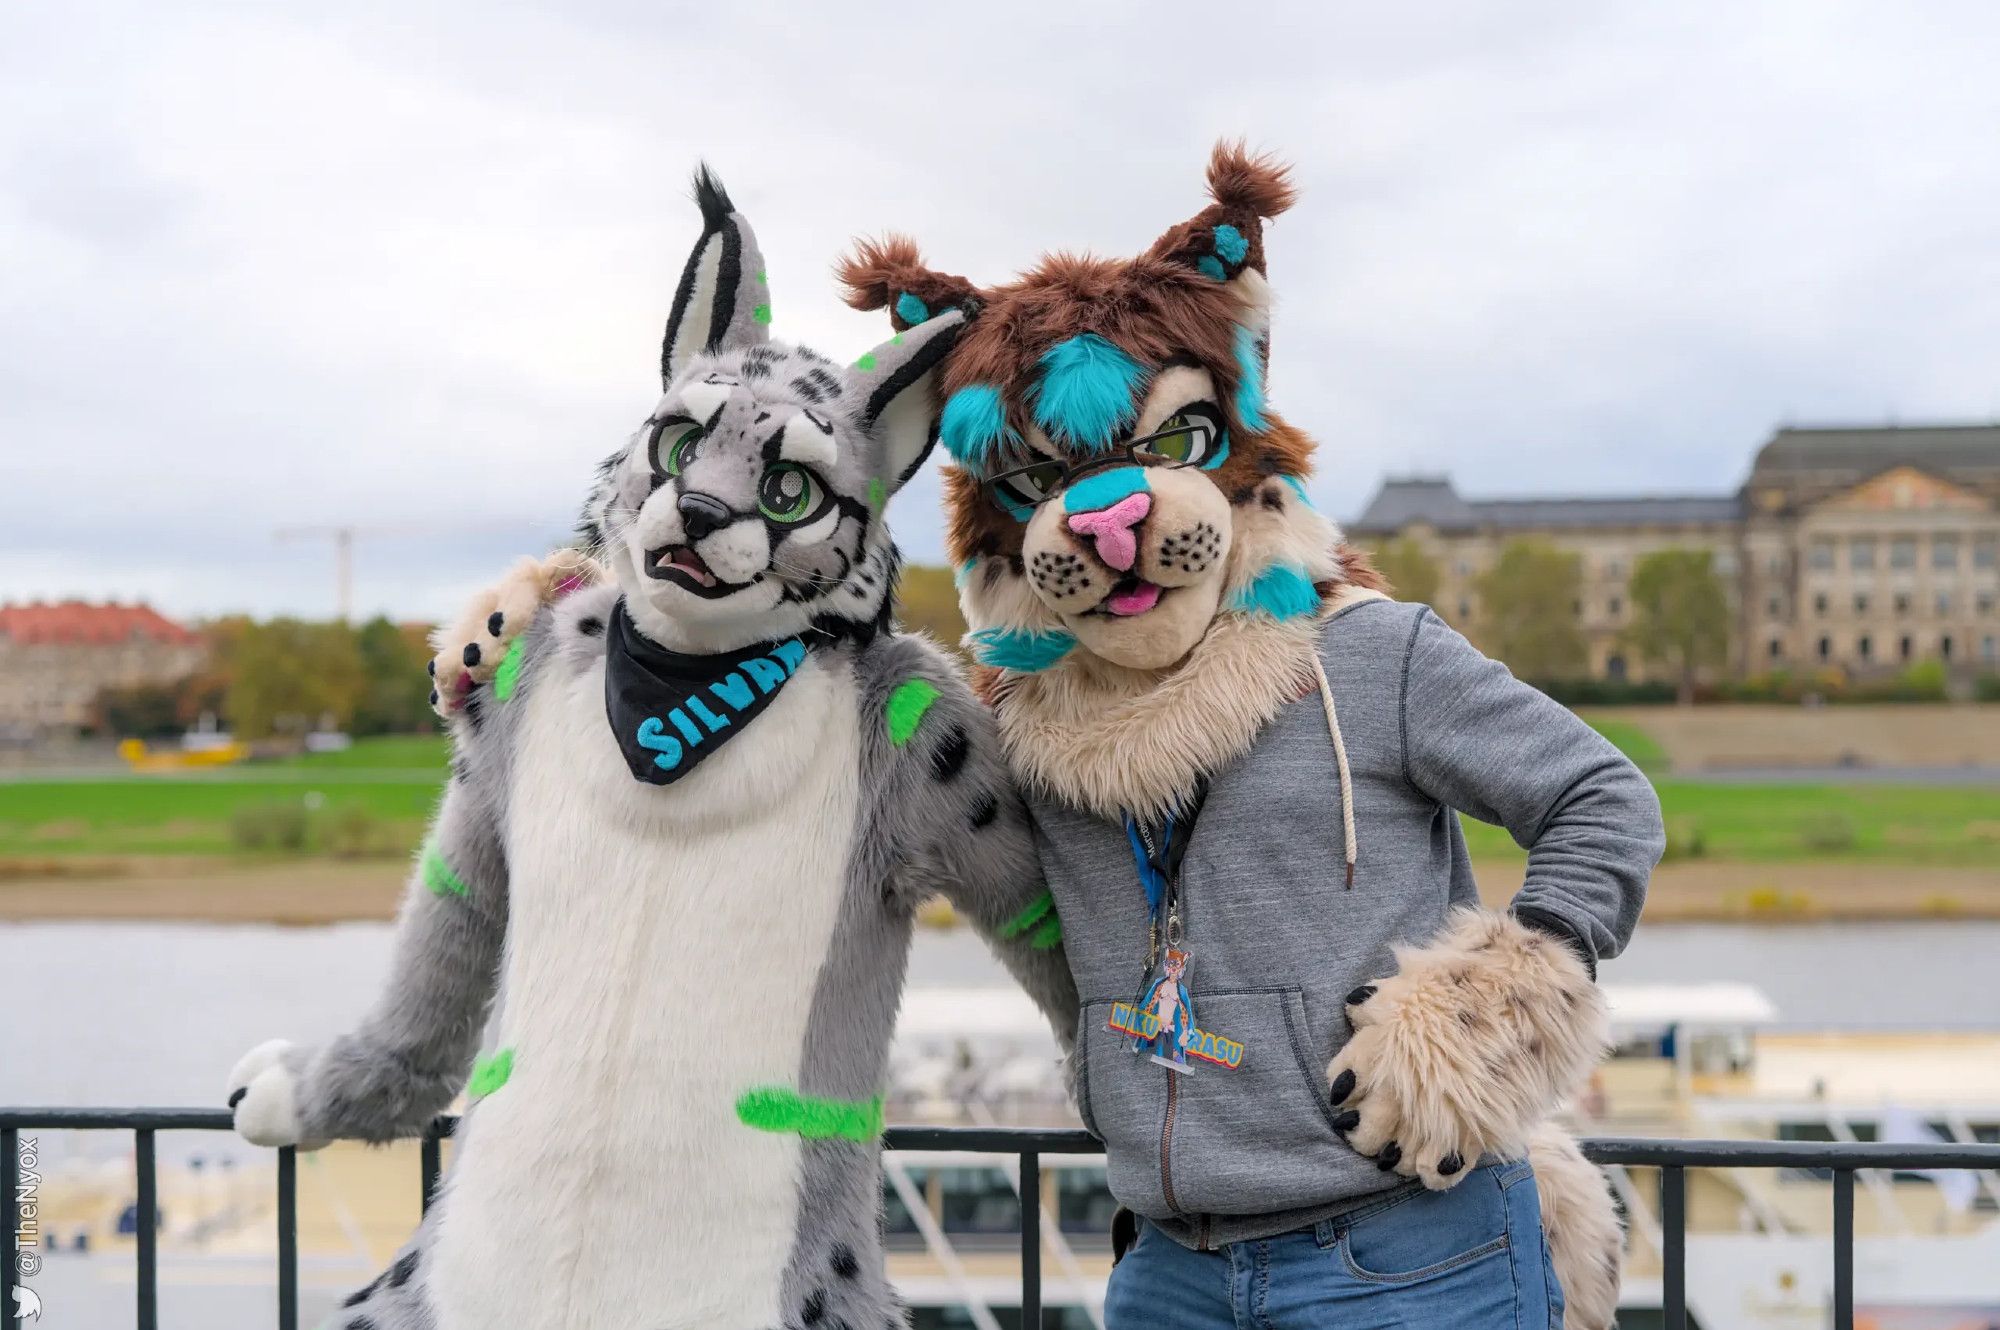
(788, 493)
(674, 446)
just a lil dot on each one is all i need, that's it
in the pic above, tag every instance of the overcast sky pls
(404, 265)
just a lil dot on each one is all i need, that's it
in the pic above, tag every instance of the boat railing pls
(1024, 1146)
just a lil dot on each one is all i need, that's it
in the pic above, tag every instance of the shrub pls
(1685, 839)
(1987, 689)
(275, 825)
(1606, 692)
(1828, 833)
(351, 832)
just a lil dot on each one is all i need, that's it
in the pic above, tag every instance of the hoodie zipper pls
(1173, 1080)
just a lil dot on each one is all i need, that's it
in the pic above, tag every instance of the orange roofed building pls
(55, 659)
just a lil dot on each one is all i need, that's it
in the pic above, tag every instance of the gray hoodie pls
(1276, 938)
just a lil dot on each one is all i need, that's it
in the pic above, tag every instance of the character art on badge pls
(1169, 1004)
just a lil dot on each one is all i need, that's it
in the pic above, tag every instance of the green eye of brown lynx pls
(787, 493)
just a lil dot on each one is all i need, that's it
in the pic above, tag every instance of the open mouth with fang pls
(1131, 597)
(680, 565)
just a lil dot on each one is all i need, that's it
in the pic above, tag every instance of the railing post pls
(1031, 1241)
(1843, 1249)
(430, 1163)
(10, 1179)
(1673, 1256)
(288, 1238)
(147, 1219)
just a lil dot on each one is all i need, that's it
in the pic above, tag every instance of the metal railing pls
(1671, 1157)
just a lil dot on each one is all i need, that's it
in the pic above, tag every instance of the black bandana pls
(669, 711)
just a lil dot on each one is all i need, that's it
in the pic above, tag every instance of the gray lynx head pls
(749, 504)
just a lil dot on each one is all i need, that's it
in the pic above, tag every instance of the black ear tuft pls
(712, 198)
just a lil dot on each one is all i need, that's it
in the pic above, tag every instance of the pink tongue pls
(1136, 601)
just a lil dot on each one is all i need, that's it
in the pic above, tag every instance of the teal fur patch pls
(1101, 489)
(1250, 379)
(438, 875)
(1230, 244)
(1220, 455)
(777, 1109)
(1086, 391)
(1282, 591)
(973, 423)
(1298, 488)
(1018, 650)
(910, 309)
(1212, 267)
(963, 573)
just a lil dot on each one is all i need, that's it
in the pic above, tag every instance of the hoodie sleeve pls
(1479, 740)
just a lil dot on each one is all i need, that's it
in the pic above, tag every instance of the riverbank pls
(319, 891)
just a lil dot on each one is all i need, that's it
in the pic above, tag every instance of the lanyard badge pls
(1161, 1024)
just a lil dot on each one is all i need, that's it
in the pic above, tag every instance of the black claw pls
(1346, 1122)
(493, 622)
(1391, 1155)
(236, 1095)
(1343, 1085)
(1360, 995)
(434, 697)
(431, 667)
(1450, 1164)
(471, 654)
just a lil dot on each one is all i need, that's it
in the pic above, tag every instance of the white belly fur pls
(662, 949)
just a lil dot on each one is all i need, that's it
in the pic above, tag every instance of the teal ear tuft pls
(911, 309)
(1230, 244)
(1212, 267)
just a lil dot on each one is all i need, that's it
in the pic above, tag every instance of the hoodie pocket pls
(1259, 1137)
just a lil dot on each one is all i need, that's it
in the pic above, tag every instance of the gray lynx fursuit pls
(671, 884)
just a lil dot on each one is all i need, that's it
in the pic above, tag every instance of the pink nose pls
(1112, 527)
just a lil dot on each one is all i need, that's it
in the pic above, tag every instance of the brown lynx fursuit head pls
(1148, 586)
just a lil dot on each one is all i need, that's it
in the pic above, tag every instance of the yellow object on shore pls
(141, 758)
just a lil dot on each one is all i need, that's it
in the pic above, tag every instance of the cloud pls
(404, 266)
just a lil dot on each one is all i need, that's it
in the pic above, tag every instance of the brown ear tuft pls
(890, 273)
(1238, 178)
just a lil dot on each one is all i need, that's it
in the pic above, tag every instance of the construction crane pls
(343, 535)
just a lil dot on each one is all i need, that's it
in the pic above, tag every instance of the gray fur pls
(938, 812)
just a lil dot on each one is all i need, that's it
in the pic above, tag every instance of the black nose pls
(702, 514)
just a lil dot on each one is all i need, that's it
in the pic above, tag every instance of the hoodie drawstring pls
(1340, 760)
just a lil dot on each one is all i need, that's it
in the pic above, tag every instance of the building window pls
(1861, 553)
(1464, 569)
(1822, 554)
(1775, 607)
(1819, 604)
(1614, 568)
(1464, 611)
(1724, 562)
(1777, 649)
(1614, 607)
(1943, 604)
(1989, 647)
(1902, 602)
(1825, 648)
(1576, 608)
(1861, 602)
(1985, 602)
(1944, 553)
(1775, 565)
(1864, 646)
(1944, 646)
(1905, 647)
(1986, 552)
(1903, 552)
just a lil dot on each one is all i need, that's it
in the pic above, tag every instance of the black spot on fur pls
(460, 770)
(1273, 500)
(360, 1296)
(1243, 495)
(843, 1261)
(405, 1266)
(471, 654)
(756, 369)
(475, 709)
(590, 625)
(807, 390)
(984, 813)
(493, 623)
(360, 1323)
(949, 759)
(815, 1309)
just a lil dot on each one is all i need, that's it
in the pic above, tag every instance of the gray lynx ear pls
(723, 301)
(898, 383)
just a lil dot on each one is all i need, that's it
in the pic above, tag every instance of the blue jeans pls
(1472, 1258)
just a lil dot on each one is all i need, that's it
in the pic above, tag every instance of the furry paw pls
(470, 648)
(1466, 1048)
(264, 1094)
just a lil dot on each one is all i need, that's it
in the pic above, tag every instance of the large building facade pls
(1862, 550)
(56, 658)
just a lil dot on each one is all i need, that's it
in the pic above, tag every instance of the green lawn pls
(392, 752)
(1906, 824)
(1633, 741)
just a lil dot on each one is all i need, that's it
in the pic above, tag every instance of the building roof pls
(79, 623)
(1949, 451)
(1404, 500)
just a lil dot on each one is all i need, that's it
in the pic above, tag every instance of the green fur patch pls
(508, 676)
(1040, 908)
(878, 494)
(906, 708)
(490, 1073)
(762, 280)
(438, 875)
(1048, 936)
(761, 314)
(866, 362)
(775, 1108)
